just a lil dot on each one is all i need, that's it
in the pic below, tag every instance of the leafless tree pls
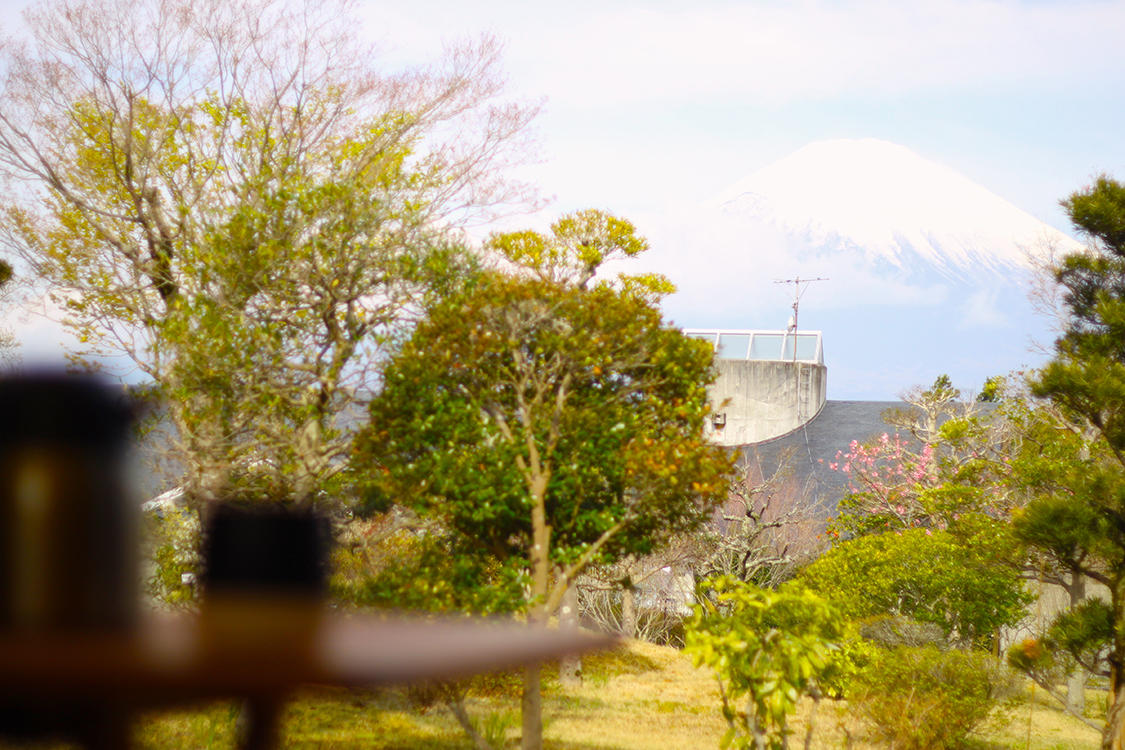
(770, 525)
(238, 201)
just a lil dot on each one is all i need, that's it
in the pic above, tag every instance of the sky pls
(651, 103)
(651, 107)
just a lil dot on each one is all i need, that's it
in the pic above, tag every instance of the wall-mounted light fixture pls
(719, 420)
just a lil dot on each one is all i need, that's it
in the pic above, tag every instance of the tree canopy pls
(965, 586)
(239, 201)
(548, 420)
(1078, 520)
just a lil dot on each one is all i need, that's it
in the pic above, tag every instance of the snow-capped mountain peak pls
(891, 205)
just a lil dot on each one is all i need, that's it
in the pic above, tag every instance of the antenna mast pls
(798, 290)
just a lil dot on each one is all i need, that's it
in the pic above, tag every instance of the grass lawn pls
(641, 697)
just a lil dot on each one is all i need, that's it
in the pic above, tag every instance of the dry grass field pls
(642, 697)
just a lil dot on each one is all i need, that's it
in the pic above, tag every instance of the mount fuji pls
(926, 272)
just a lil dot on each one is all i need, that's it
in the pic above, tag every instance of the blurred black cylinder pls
(67, 531)
(264, 578)
(264, 549)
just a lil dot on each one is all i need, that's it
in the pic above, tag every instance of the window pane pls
(766, 346)
(733, 346)
(806, 347)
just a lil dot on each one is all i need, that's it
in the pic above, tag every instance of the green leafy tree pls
(1047, 455)
(236, 200)
(968, 471)
(964, 585)
(1082, 523)
(767, 648)
(1080, 636)
(549, 420)
(992, 390)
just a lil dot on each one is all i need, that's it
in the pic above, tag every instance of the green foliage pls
(419, 567)
(578, 245)
(1081, 635)
(496, 726)
(247, 211)
(1076, 520)
(172, 548)
(992, 390)
(520, 396)
(545, 422)
(1086, 633)
(7, 341)
(942, 390)
(1088, 374)
(768, 648)
(964, 586)
(926, 698)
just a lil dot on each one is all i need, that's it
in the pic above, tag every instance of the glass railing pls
(770, 346)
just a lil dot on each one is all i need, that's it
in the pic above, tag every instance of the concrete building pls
(769, 384)
(770, 403)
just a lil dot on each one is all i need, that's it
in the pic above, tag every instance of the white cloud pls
(981, 310)
(622, 53)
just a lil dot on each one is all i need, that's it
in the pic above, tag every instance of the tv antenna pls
(799, 287)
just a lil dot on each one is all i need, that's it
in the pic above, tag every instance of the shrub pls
(767, 649)
(171, 556)
(924, 575)
(925, 698)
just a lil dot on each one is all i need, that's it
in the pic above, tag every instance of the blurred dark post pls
(265, 576)
(265, 581)
(67, 533)
(77, 661)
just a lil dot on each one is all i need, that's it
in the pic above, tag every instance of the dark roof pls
(811, 448)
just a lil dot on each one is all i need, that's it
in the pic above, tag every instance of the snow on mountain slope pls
(927, 272)
(892, 206)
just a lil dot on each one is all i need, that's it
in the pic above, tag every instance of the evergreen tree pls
(1086, 526)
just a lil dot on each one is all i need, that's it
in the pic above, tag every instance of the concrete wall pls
(764, 399)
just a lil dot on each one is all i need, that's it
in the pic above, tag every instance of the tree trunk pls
(628, 612)
(531, 704)
(815, 694)
(1076, 691)
(531, 710)
(757, 730)
(1076, 680)
(570, 667)
(1112, 735)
